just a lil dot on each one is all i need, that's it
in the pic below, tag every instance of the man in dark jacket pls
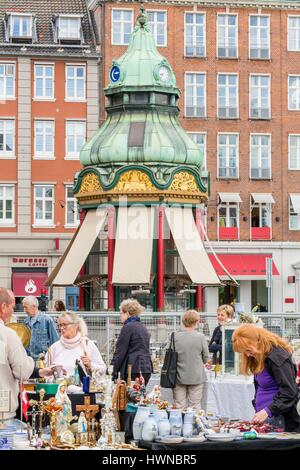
(133, 344)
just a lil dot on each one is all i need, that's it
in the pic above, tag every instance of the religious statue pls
(82, 428)
(52, 408)
(62, 399)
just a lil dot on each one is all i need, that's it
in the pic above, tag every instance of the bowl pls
(221, 437)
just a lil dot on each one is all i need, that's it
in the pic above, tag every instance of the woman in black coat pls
(133, 344)
(225, 314)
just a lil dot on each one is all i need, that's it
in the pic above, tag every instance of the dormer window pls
(69, 28)
(20, 26)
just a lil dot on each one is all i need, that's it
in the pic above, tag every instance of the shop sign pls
(30, 262)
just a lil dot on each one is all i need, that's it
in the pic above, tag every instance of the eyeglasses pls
(62, 326)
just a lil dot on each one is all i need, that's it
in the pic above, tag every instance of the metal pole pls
(269, 267)
(107, 342)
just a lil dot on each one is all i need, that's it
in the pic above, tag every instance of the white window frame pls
(227, 86)
(19, 15)
(259, 100)
(155, 27)
(75, 98)
(204, 163)
(195, 95)
(75, 208)
(8, 222)
(289, 154)
(227, 156)
(261, 205)
(44, 155)
(228, 206)
(7, 155)
(194, 13)
(5, 96)
(122, 43)
(43, 222)
(44, 98)
(298, 91)
(226, 41)
(293, 216)
(288, 33)
(69, 17)
(260, 159)
(74, 155)
(259, 36)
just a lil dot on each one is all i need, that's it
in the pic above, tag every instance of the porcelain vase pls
(139, 420)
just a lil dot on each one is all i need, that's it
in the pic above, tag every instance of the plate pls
(170, 439)
(194, 439)
(220, 437)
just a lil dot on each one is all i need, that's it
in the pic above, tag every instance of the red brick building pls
(238, 68)
(49, 75)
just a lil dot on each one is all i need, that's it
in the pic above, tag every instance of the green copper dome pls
(142, 133)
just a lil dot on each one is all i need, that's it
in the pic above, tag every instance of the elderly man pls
(43, 331)
(15, 365)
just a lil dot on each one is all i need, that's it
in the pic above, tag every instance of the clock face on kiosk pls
(164, 73)
(115, 74)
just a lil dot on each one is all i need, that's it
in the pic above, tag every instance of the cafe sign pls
(30, 262)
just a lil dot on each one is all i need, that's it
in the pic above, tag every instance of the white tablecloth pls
(225, 396)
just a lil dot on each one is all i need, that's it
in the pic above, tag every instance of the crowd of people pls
(263, 354)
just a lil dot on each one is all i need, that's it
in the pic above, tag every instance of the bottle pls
(218, 367)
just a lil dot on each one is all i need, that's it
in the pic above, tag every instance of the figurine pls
(62, 399)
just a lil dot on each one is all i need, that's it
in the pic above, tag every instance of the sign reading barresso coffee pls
(30, 262)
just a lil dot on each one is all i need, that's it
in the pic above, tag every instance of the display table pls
(257, 444)
(224, 396)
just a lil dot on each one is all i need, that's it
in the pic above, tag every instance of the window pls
(75, 138)
(72, 214)
(75, 82)
(259, 37)
(69, 27)
(228, 155)
(7, 138)
(43, 205)
(200, 139)
(294, 219)
(228, 215)
(294, 33)
(294, 92)
(194, 30)
(7, 81)
(227, 36)
(157, 21)
(20, 26)
(261, 215)
(195, 95)
(121, 26)
(260, 156)
(44, 81)
(7, 202)
(294, 152)
(227, 96)
(44, 139)
(260, 107)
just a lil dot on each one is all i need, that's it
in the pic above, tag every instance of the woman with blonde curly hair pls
(269, 358)
(133, 344)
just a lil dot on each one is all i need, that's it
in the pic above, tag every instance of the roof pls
(44, 10)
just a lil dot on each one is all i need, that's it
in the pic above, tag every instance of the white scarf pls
(73, 342)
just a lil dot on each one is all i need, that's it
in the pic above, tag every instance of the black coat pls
(281, 367)
(133, 347)
(215, 344)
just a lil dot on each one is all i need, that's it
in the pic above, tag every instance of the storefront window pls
(229, 294)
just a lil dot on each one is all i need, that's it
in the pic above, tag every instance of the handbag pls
(169, 369)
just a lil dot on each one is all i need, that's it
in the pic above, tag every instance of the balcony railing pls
(261, 233)
(228, 233)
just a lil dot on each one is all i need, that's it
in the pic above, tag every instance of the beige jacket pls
(15, 365)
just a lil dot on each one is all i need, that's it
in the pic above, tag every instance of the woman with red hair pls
(269, 358)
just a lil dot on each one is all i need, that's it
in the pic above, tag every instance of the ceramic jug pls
(149, 431)
(176, 422)
(139, 420)
(164, 427)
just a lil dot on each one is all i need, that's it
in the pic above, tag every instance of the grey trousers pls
(188, 396)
